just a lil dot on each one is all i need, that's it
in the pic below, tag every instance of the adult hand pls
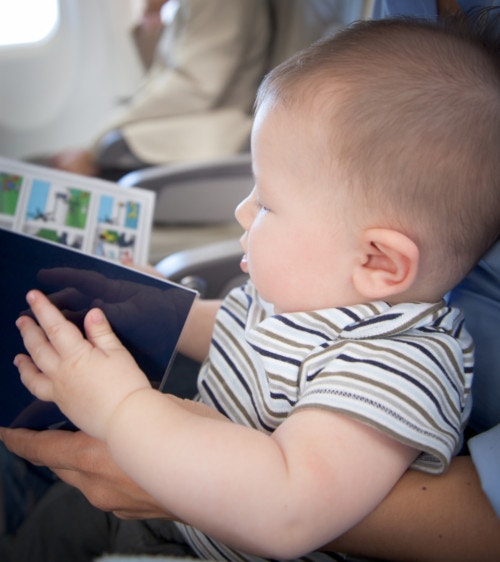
(84, 462)
(154, 5)
(77, 161)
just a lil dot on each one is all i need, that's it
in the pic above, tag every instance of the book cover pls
(146, 312)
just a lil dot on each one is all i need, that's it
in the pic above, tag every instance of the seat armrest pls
(213, 269)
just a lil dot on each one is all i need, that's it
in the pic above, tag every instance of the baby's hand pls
(87, 378)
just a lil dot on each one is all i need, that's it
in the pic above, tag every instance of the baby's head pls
(406, 114)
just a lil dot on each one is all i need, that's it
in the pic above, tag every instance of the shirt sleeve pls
(485, 452)
(401, 388)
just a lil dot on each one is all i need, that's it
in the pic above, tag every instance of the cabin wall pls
(57, 94)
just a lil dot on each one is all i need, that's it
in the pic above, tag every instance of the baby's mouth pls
(244, 263)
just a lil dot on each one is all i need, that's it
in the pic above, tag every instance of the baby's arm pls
(277, 496)
(197, 333)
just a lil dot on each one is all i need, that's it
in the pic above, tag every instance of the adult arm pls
(198, 57)
(444, 518)
(485, 452)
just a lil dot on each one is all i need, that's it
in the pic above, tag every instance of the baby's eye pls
(262, 207)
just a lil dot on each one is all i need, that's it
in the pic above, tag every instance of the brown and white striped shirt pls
(404, 369)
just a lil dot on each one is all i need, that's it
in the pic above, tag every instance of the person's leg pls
(65, 526)
(152, 537)
(21, 486)
(62, 526)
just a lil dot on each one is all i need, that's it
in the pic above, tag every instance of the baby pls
(339, 365)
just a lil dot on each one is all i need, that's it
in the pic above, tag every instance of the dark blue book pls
(147, 314)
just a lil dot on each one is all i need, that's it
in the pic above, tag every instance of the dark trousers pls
(64, 526)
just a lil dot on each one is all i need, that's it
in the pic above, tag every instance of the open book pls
(147, 313)
(88, 214)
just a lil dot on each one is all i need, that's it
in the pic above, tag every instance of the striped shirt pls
(404, 369)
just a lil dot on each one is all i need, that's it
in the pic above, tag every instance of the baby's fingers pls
(63, 336)
(33, 379)
(100, 333)
(36, 343)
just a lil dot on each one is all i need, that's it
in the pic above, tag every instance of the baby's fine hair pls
(411, 112)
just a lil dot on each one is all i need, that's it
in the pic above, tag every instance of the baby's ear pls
(389, 265)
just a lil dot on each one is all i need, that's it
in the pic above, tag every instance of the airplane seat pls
(478, 295)
(197, 192)
(212, 269)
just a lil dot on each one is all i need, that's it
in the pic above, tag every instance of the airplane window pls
(27, 21)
